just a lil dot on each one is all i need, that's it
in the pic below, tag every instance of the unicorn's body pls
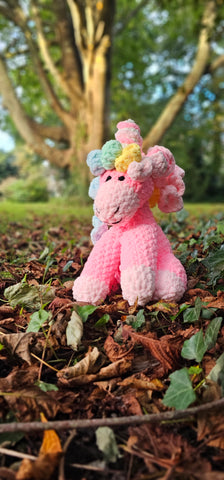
(133, 252)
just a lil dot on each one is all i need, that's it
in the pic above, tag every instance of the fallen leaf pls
(112, 370)
(31, 297)
(19, 344)
(91, 363)
(142, 383)
(74, 331)
(45, 465)
(106, 442)
(51, 442)
(211, 425)
(166, 349)
(115, 351)
(165, 307)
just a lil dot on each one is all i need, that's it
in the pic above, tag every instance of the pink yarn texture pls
(130, 248)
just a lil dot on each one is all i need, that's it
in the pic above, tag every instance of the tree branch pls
(127, 17)
(198, 69)
(57, 133)
(24, 125)
(18, 17)
(217, 63)
(154, 418)
(42, 42)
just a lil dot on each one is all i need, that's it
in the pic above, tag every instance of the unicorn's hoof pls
(138, 283)
(170, 286)
(89, 290)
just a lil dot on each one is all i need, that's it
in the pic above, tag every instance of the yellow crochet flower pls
(130, 153)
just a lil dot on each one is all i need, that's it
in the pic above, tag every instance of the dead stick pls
(176, 415)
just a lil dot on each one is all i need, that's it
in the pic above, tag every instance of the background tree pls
(55, 68)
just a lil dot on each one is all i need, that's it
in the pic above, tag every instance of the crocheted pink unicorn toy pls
(130, 248)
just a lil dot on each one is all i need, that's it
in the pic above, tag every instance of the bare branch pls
(42, 42)
(154, 418)
(24, 125)
(198, 69)
(217, 63)
(55, 133)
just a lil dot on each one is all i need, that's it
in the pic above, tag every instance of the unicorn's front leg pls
(100, 272)
(138, 264)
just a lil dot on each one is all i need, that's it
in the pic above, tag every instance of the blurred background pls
(70, 70)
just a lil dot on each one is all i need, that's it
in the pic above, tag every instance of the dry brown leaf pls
(112, 370)
(142, 383)
(217, 302)
(211, 425)
(114, 351)
(6, 310)
(131, 403)
(19, 344)
(45, 465)
(166, 349)
(165, 307)
(6, 474)
(91, 363)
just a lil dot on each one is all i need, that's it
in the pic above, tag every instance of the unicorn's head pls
(126, 178)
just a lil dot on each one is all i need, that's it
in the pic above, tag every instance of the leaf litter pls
(73, 361)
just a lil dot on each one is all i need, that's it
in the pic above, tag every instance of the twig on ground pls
(13, 453)
(30, 427)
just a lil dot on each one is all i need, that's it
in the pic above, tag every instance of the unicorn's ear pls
(140, 170)
(94, 162)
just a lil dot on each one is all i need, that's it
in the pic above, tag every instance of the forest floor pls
(115, 391)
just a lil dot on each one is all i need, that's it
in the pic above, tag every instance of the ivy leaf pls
(180, 393)
(103, 320)
(136, 321)
(192, 314)
(211, 333)
(195, 347)
(85, 311)
(217, 373)
(37, 319)
(215, 265)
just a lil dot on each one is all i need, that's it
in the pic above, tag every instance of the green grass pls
(61, 211)
(56, 210)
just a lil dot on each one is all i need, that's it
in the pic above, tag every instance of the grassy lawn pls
(61, 212)
(54, 213)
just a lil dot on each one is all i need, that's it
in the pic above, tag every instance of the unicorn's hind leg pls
(171, 279)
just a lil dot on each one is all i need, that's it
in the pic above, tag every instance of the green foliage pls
(85, 311)
(46, 387)
(37, 319)
(28, 190)
(215, 265)
(198, 344)
(180, 393)
(192, 314)
(136, 321)
(102, 321)
(217, 373)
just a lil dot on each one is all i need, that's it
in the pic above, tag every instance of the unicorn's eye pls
(108, 178)
(121, 178)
